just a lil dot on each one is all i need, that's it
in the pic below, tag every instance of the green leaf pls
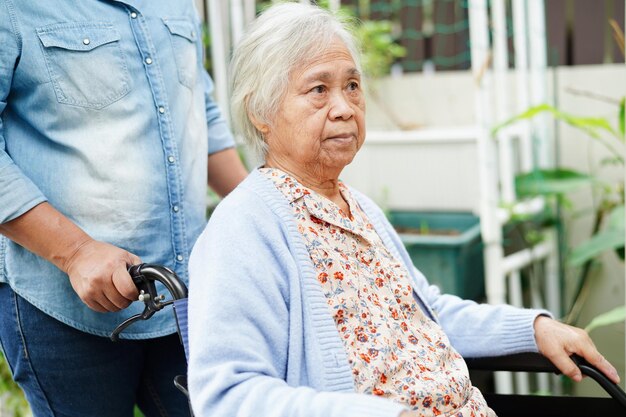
(380, 49)
(551, 182)
(590, 125)
(587, 124)
(528, 114)
(616, 218)
(616, 315)
(611, 237)
(600, 242)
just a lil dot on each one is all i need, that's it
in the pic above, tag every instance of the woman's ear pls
(260, 126)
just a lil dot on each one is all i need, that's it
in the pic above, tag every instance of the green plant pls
(379, 48)
(12, 400)
(379, 51)
(555, 184)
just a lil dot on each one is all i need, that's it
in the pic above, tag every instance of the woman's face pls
(320, 124)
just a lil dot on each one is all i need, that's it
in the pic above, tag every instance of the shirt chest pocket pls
(184, 40)
(85, 63)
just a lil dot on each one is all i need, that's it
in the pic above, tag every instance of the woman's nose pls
(341, 108)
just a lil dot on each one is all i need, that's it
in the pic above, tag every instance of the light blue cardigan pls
(262, 341)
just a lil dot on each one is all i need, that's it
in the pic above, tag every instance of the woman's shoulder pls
(245, 200)
(255, 202)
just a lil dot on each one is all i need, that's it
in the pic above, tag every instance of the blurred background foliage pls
(12, 401)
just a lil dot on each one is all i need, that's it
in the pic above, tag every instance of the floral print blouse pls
(394, 349)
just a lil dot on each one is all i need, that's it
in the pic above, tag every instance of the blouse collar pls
(322, 208)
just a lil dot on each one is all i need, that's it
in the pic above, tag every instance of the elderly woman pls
(303, 300)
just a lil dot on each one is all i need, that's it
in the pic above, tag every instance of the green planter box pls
(446, 247)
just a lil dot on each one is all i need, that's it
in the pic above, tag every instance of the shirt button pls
(175, 208)
(86, 41)
(179, 258)
(148, 60)
(161, 109)
(133, 15)
(170, 159)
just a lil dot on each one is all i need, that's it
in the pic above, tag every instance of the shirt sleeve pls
(479, 330)
(18, 194)
(220, 136)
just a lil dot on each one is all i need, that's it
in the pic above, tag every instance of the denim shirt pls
(106, 112)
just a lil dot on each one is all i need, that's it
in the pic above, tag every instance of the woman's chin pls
(343, 146)
(337, 161)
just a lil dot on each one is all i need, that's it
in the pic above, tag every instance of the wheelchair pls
(145, 277)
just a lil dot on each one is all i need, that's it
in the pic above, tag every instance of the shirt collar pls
(286, 184)
(322, 208)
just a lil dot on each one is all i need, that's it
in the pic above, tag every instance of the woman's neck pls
(320, 181)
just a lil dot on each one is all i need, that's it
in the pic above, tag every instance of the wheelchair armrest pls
(519, 362)
(535, 362)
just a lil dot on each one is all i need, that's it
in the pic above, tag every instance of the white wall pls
(423, 173)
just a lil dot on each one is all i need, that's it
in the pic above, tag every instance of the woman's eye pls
(318, 89)
(353, 85)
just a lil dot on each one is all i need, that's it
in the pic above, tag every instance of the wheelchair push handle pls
(144, 276)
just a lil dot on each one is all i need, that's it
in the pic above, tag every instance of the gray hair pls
(282, 38)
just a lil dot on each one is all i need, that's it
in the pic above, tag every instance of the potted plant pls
(446, 247)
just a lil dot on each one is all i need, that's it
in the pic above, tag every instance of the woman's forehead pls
(321, 74)
(334, 60)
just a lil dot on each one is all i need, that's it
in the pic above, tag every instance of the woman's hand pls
(98, 273)
(557, 341)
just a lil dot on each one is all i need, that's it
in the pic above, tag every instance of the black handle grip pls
(144, 277)
(142, 272)
(609, 386)
(535, 362)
